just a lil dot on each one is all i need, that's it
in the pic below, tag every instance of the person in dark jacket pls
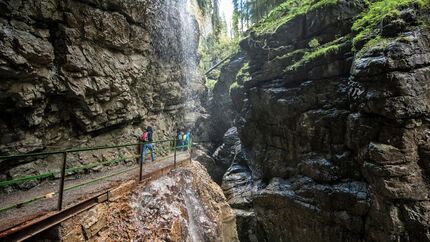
(147, 138)
(178, 138)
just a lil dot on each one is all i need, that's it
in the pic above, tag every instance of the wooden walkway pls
(97, 183)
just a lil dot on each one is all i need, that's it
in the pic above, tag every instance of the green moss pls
(377, 41)
(314, 43)
(210, 84)
(366, 25)
(331, 47)
(234, 85)
(286, 12)
(243, 74)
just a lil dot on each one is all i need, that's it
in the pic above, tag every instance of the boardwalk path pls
(27, 212)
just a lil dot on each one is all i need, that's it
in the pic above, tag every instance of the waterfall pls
(189, 40)
(170, 207)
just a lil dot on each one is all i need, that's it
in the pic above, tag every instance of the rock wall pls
(74, 71)
(337, 139)
(220, 107)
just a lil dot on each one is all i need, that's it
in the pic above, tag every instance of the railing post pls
(139, 149)
(61, 189)
(141, 159)
(191, 152)
(174, 154)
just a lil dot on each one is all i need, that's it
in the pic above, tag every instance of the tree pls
(248, 12)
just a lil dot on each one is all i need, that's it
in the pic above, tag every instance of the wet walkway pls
(41, 207)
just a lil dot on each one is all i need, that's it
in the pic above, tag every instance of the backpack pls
(184, 137)
(144, 137)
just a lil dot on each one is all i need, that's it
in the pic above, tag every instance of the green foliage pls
(204, 5)
(215, 48)
(210, 84)
(377, 41)
(233, 86)
(248, 12)
(240, 78)
(287, 11)
(314, 43)
(324, 50)
(217, 45)
(243, 74)
(366, 25)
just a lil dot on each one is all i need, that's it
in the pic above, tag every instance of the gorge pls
(315, 128)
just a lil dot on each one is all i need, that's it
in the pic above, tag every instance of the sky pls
(226, 7)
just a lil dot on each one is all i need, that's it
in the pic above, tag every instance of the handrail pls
(70, 170)
(218, 64)
(74, 150)
(64, 171)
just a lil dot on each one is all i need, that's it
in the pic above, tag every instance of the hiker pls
(178, 138)
(147, 139)
(187, 139)
(181, 141)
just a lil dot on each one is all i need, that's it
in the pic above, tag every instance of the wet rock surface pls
(221, 107)
(74, 72)
(185, 205)
(230, 152)
(338, 145)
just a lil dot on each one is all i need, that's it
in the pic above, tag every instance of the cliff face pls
(80, 72)
(220, 107)
(79, 67)
(336, 128)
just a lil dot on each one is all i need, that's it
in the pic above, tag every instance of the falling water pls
(171, 199)
(189, 40)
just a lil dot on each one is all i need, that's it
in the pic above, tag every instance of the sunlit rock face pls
(185, 205)
(339, 145)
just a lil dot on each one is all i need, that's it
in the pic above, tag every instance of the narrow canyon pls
(276, 120)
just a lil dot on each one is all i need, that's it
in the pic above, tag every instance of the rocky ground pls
(185, 205)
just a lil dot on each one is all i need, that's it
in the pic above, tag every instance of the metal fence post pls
(174, 155)
(141, 159)
(139, 149)
(191, 153)
(61, 189)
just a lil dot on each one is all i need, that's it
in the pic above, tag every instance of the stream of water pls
(192, 79)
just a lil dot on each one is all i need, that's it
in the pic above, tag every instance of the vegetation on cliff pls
(240, 78)
(248, 12)
(285, 12)
(318, 51)
(365, 27)
(365, 30)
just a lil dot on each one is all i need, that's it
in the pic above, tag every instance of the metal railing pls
(64, 170)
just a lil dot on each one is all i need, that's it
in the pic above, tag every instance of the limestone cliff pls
(335, 122)
(90, 72)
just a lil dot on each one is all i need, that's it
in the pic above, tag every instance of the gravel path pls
(38, 208)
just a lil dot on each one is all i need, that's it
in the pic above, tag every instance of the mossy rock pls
(369, 24)
(286, 12)
(322, 51)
